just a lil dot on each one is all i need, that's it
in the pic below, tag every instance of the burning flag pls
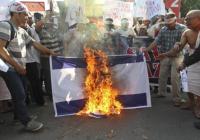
(100, 94)
(129, 79)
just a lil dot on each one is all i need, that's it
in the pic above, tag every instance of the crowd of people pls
(27, 41)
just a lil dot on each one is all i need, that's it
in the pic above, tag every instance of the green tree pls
(188, 5)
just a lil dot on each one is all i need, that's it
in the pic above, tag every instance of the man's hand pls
(43, 49)
(53, 53)
(21, 70)
(161, 56)
(177, 46)
(181, 67)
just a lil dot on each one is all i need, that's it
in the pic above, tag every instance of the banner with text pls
(117, 10)
(4, 9)
(148, 8)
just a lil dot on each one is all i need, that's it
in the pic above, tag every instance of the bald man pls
(191, 37)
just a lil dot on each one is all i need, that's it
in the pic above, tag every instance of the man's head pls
(37, 16)
(124, 23)
(30, 19)
(39, 23)
(139, 20)
(192, 20)
(18, 13)
(146, 22)
(170, 20)
(108, 24)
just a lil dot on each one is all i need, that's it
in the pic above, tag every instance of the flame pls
(101, 96)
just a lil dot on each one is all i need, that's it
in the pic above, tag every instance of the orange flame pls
(101, 96)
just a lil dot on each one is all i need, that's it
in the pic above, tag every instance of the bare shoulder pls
(189, 32)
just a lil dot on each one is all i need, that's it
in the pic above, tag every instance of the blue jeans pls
(15, 83)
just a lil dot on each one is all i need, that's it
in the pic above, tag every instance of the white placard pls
(184, 80)
(148, 8)
(3, 66)
(117, 10)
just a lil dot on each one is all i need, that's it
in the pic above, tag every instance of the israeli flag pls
(129, 74)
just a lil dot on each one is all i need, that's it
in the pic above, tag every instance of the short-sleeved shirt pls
(167, 38)
(17, 46)
(50, 39)
(32, 54)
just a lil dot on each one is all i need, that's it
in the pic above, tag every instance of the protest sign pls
(148, 8)
(117, 10)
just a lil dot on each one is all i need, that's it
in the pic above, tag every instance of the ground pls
(162, 121)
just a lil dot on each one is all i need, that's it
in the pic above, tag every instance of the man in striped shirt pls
(49, 37)
(14, 56)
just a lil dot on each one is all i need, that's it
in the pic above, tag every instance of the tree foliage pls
(188, 5)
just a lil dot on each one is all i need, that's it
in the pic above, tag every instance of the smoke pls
(78, 28)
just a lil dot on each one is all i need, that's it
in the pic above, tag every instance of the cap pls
(18, 7)
(108, 21)
(170, 15)
(170, 18)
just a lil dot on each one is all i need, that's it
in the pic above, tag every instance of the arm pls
(30, 41)
(157, 41)
(151, 46)
(178, 46)
(43, 49)
(6, 57)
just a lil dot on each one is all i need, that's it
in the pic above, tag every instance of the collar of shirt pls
(176, 27)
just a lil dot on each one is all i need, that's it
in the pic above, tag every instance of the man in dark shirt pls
(190, 60)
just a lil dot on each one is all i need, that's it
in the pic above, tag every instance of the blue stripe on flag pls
(134, 100)
(60, 62)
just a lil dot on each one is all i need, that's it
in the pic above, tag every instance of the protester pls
(75, 39)
(33, 65)
(137, 27)
(191, 37)
(154, 29)
(49, 37)
(38, 22)
(167, 37)
(108, 38)
(14, 56)
(109, 26)
(144, 27)
(123, 35)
